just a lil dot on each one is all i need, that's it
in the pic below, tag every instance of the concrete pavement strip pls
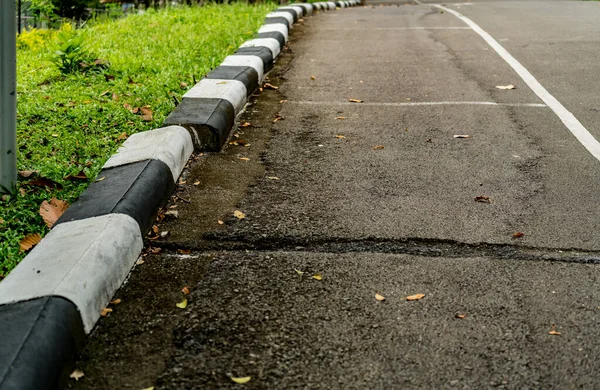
(52, 300)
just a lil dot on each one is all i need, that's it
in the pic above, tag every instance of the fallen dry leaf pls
(518, 234)
(122, 136)
(140, 261)
(183, 304)
(355, 101)
(461, 136)
(244, 158)
(273, 178)
(79, 176)
(51, 211)
(483, 199)
(29, 241)
(183, 85)
(100, 179)
(220, 222)
(128, 107)
(77, 374)
(461, 316)
(25, 174)
(270, 86)
(44, 182)
(185, 290)
(146, 113)
(317, 277)
(184, 251)
(509, 86)
(105, 311)
(379, 297)
(339, 136)
(341, 118)
(115, 301)
(238, 214)
(553, 331)
(241, 381)
(415, 297)
(377, 147)
(277, 118)
(313, 78)
(245, 124)
(299, 272)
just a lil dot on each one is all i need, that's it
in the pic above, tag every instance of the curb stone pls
(51, 301)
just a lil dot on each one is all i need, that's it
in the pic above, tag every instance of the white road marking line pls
(569, 120)
(416, 104)
(396, 28)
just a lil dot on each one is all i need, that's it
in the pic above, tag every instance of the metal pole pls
(8, 97)
(19, 16)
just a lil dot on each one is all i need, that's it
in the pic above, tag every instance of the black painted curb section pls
(40, 341)
(291, 12)
(277, 19)
(209, 119)
(304, 9)
(275, 35)
(246, 74)
(138, 190)
(265, 54)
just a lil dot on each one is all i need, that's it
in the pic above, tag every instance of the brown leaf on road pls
(379, 297)
(115, 301)
(277, 118)
(553, 331)
(273, 178)
(238, 214)
(377, 147)
(299, 272)
(317, 277)
(29, 241)
(220, 222)
(483, 199)
(246, 124)
(51, 211)
(509, 86)
(518, 234)
(270, 86)
(184, 251)
(185, 290)
(146, 113)
(105, 311)
(77, 374)
(340, 118)
(460, 316)
(244, 158)
(340, 136)
(415, 297)
(313, 78)
(355, 101)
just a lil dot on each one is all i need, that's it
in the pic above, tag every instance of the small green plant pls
(70, 53)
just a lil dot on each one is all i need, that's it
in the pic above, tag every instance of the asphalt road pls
(379, 197)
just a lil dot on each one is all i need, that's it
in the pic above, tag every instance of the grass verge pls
(72, 123)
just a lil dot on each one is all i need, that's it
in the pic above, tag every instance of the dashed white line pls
(416, 104)
(569, 120)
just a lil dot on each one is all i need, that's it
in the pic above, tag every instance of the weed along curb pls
(55, 296)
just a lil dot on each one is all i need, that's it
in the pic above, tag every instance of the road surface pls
(379, 197)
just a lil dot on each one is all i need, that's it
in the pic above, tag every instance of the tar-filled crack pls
(411, 245)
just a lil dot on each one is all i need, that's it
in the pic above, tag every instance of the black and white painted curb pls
(53, 299)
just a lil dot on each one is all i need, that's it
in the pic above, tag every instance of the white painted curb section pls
(286, 15)
(83, 261)
(243, 60)
(298, 10)
(271, 43)
(232, 90)
(331, 4)
(307, 6)
(278, 27)
(172, 145)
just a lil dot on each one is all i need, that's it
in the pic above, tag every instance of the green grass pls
(69, 123)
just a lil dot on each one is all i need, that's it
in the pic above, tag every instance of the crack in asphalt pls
(418, 246)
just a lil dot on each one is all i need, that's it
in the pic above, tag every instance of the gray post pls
(8, 97)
